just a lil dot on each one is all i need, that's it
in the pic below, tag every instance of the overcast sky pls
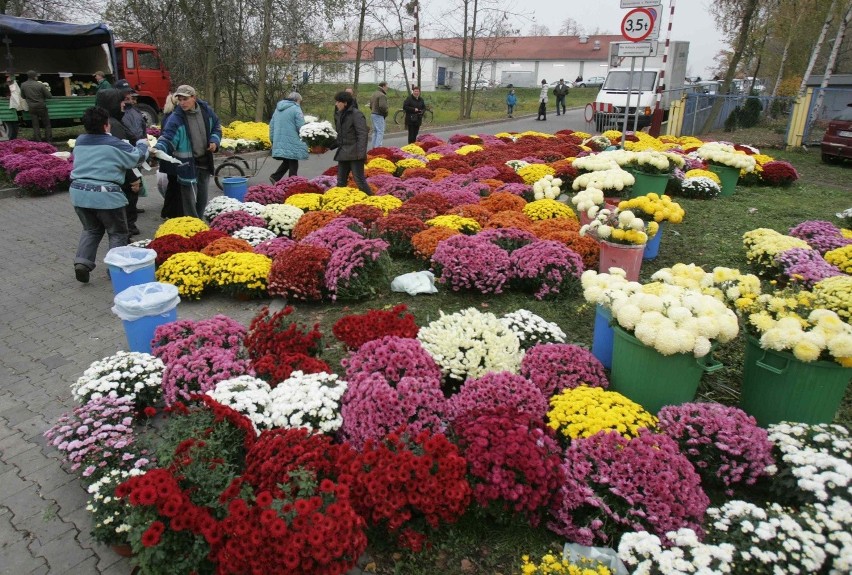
(692, 22)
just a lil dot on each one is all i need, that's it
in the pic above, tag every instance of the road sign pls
(637, 24)
(638, 3)
(656, 13)
(647, 48)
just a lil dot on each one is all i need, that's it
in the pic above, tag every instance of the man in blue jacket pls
(100, 162)
(192, 134)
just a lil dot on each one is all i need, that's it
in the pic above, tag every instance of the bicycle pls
(238, 166)
(399, 117)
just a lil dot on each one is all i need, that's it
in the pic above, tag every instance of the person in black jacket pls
(414, 107)
(172, 203)
(351, 142)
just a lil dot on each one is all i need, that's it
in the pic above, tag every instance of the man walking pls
(379, 114)
(36, 95)
(560, 91)
(192, 134)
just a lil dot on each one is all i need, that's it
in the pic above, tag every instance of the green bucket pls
(652, 379)
(729, 177)
(648, 183)
(778, 387)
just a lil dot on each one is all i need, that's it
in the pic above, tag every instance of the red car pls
(837, 142)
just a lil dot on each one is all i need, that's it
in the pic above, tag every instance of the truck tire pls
(150, 114)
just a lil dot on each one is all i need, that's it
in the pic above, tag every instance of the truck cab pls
(613, 98)
(142, 67)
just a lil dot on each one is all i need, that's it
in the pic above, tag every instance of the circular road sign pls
(637, 24)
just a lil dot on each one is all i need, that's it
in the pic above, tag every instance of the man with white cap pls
(191, 134)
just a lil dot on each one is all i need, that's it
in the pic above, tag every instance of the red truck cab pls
(142, 67)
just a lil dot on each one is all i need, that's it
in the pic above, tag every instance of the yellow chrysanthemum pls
(188, 271)
(385, 203)
(183, 226)
(406, 163)
(306, 202)
(433, 156)
(703, 174)
(258, 131)
(546, 209)
(338, 199)
(841, 257)
(469, 149)
(532, 173)
(241, 272)
(585, 411)
(413, 149)
(458, 223)
(381, 164)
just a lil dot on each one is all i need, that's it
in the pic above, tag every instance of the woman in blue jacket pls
(287, 146)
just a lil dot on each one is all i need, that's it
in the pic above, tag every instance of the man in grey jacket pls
(36, 95)
(351, 142)
(379, 114)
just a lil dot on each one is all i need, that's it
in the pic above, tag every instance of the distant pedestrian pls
(511, 100)
(101, 81)
(560, 91)
(16, 103)
(287, 146)
(578, 79)
(36, 95)
(379, 113)
(542, 102)
(414, 106)
(191, 135)
(100, 161)
(351, 142)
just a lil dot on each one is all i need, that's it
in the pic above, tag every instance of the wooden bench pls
(58, 108)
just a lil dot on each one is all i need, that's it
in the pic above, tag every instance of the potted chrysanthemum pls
(622, 236)
(726, 162)
(318, 135)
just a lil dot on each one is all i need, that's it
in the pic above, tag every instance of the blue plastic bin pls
(130, 266)
(603, 336)
(235, 187)
(142, 308)
(652, 248)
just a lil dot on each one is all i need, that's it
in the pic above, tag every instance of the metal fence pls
(698, 106)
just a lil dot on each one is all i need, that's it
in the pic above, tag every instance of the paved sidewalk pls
(51, 329)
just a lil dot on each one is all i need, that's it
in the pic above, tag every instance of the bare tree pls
(571, 27)
(538, 30)
(829, 17)
(829, 66)
(395, 19)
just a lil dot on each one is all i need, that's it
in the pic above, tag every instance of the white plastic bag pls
(130, 258)
(414, 283)
(604, 555)
(145, 300)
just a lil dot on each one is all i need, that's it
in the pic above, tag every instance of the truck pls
(67, 55)
(610, 103)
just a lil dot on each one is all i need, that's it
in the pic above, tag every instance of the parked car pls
(837, 141)
(593, 82)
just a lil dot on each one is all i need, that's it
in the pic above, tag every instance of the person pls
(134, 122)
(379, 113)
(511, 100)
(101, 81)
(100, 161)
(112, 100)
(578, 79)
(351, 92)
(191, 135)
(560, 91)
(172, 205)
(542, 102)
(36, 95)
(351, 142)
(284, 127)
(414, 106)
(16, 103)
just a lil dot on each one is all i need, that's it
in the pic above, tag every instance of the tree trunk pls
(780, 76)
(742, 39)
(359, 43)
(463, 79)
(262, 60)
(829, 66)
(471, 57)
(815, 53)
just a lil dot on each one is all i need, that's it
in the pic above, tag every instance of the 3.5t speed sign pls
(637, 24)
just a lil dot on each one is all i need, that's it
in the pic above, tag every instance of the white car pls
(593, 82)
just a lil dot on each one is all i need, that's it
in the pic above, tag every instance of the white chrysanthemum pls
(254, 234)
(627, 315)
(308, 400)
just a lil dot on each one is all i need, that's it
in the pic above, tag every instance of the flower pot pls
(728, 176)
(584, 219)
(602, 338)
(652, 248)
(625, 256)
(648, 183)
(122, 549)
(652, 379)
(317, 149)
(778, 387)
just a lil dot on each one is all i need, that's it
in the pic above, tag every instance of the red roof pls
(517, 48)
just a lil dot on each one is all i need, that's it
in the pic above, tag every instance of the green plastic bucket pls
(778, 387)
(648, 183)
(729, 177)
(652, 379)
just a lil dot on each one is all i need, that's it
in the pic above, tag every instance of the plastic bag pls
(130, 258)
(604, 555)
(414, 283)
(162, 183)
(144, 300)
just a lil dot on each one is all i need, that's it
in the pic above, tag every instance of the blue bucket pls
(129, 266)
(140, 331)
(603, 337)
(235, 187)
(652, 248)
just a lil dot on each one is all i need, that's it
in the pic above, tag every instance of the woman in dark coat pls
(414, 107)
(351, 142)
(172, 204)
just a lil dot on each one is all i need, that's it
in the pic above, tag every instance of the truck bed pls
(58, 108)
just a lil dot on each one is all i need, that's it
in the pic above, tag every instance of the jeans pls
(287, 165)
(560, 104)
(95, 223)
(40, 118)
(357, 169)
(510, 109)
(194, 196)
(378, 130)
